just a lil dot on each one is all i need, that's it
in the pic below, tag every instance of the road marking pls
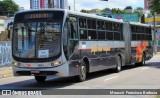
(144, 68)
(111, 78)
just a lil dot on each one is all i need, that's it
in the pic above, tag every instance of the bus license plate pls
(34, 71)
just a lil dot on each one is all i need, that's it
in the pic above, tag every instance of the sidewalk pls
(6, 71)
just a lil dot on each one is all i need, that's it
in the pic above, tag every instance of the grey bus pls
(62, 43)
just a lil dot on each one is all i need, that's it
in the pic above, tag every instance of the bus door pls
(73, 37)
(127, 39)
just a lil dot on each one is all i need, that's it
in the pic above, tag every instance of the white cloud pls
(90, 4)
(23, 3)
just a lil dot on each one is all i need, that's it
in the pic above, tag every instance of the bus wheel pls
(83, 73)
(119, 64)
(143, 61)
(40, 78)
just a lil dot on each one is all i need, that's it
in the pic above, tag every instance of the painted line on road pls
(111, 78)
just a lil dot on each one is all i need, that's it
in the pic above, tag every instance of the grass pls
(158, 96)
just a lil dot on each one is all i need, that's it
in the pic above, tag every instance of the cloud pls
(23, 3)
(90, 4)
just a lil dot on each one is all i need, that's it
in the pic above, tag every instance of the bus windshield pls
(37, 39)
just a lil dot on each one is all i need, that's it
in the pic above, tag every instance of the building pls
(128, 10)
(21, 8)
(151, 20)
(38, 4)
(94, 11)
(35, 4)
(3, 24)
(147, 4)
(5, 28)
(4, 20)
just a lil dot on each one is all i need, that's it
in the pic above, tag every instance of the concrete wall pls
(5, 53)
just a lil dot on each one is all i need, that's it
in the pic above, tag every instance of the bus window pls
(142, 30)
(73, 28)
(83, 34)
(101, 35)
(144, 36)
(109, 35)
(89, 22)
(110, 26)
(117, 36)
(132, 29)
(93, 24)
(134, 36)
(65, 40)
(82, 23)
(102, 25)
(138, 37)
(92, 34)
(98, 25)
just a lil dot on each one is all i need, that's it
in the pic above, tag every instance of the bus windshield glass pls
(37, 38)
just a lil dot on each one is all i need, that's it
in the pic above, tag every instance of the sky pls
(92, 4)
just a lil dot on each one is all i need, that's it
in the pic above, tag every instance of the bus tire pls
(119, 64)
(83, 73)
(143, 61)
(40, 78)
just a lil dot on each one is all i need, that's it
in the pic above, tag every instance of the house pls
(4, 20)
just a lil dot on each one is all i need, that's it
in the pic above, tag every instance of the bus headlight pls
(56, 63)
(14, 63)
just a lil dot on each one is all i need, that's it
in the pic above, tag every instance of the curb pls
(6, 72)
(8, 75)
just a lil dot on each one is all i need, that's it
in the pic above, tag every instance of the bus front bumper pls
(59, 71)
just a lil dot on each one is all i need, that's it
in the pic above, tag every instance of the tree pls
(117, 11)
(128, 7)
(8, 7)
(139, 10)
(149, 15)
(84, 11)
(155, 6)
(105, 9)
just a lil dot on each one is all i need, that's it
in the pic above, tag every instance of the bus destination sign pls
(38, 15)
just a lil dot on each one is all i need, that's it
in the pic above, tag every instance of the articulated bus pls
(62, 43)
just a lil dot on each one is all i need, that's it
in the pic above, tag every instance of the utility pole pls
(155, 40)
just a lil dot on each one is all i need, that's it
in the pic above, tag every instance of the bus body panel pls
(101, 56)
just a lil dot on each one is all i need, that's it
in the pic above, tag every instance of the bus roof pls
(93, 16)
(32, 10)
(104, 18)
(139, 24)
(85, 15)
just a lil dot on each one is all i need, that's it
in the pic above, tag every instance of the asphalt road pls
(131, 77)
